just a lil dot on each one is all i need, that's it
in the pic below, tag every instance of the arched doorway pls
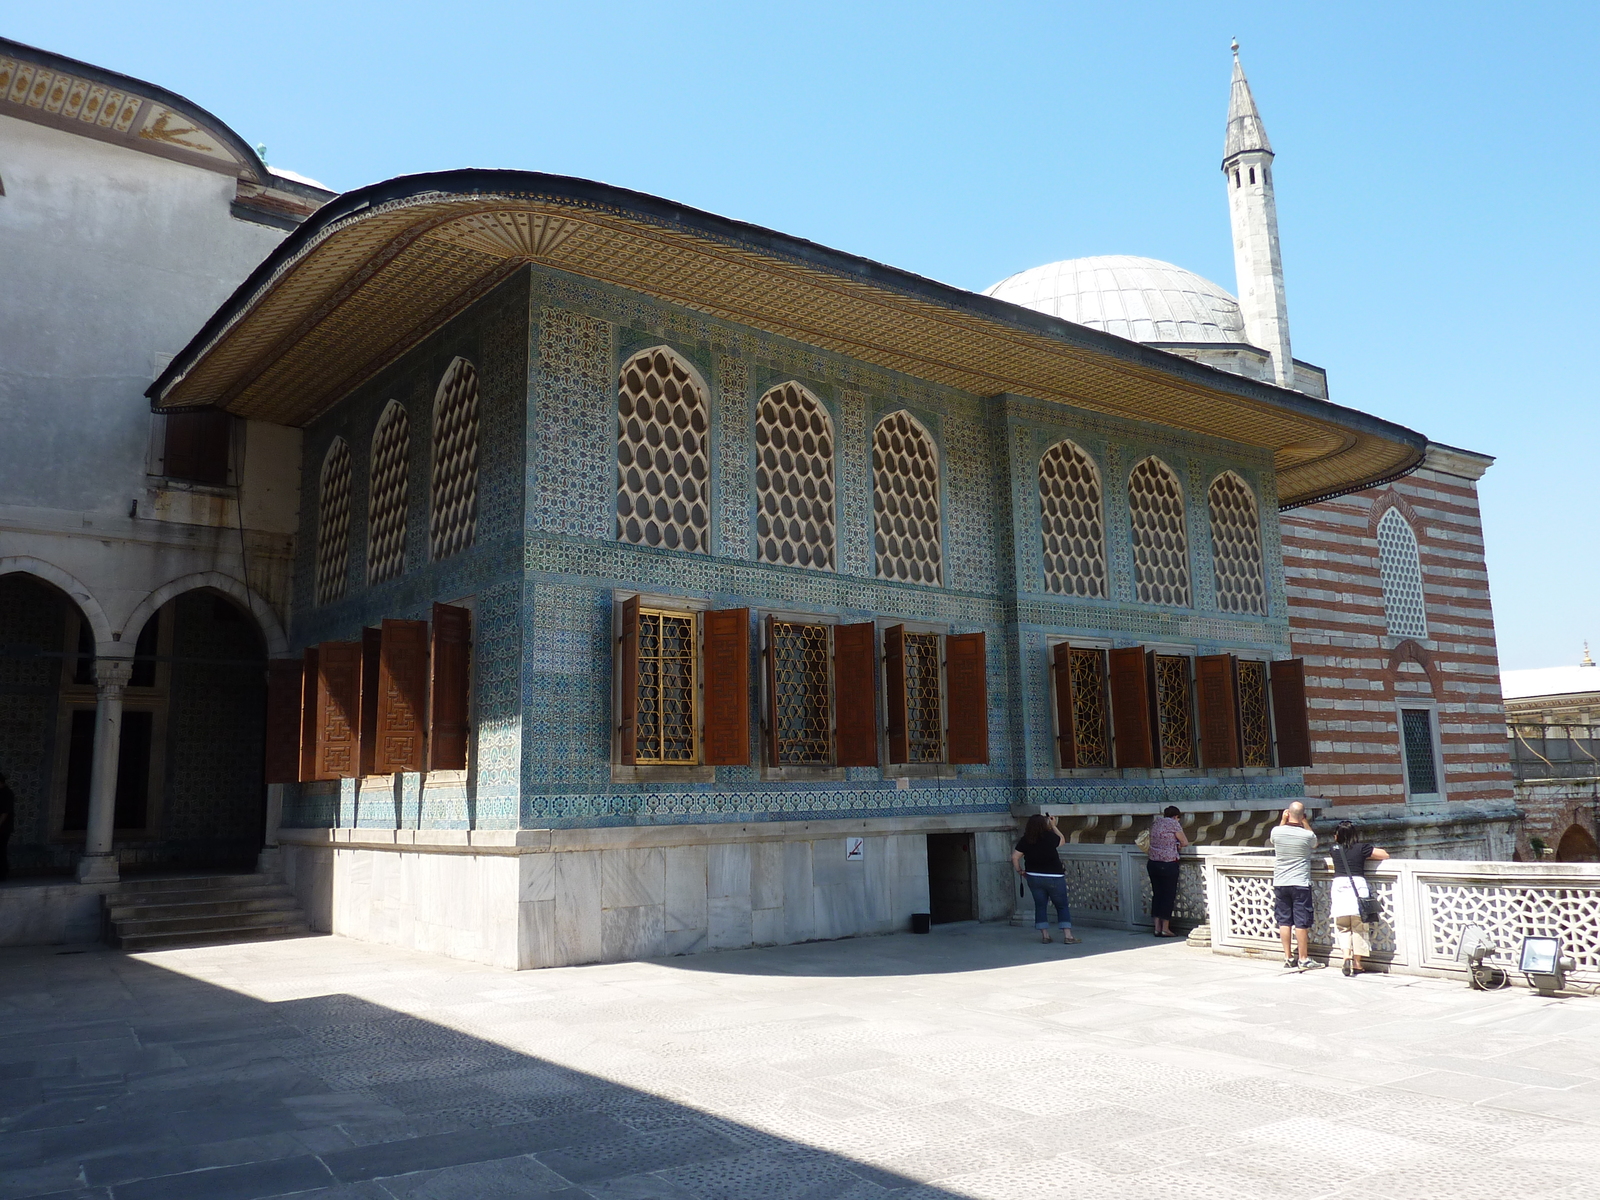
(1577, 845)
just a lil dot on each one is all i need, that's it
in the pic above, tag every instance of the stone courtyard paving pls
(974, 1062)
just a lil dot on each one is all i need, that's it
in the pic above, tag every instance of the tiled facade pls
(548, 347)
(1358, 675)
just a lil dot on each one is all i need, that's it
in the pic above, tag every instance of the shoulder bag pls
(1371, 908)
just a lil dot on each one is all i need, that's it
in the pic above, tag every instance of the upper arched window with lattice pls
(387, 493)
(663, 470)
(333, 523)
(1401, 568)
(1160, 537)
(794, 479)
(1072, 522)
(453, 487)
(1236, 545)
(905, 502)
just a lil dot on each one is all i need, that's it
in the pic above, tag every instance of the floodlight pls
(1544, 964)
(1473, 947)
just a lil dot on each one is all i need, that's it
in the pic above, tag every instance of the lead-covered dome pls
(1142, 299)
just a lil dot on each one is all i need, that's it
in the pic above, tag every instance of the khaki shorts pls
(1351, 935)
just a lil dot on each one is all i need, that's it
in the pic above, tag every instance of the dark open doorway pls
(951, 878)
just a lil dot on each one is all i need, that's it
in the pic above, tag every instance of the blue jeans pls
(1048, 890)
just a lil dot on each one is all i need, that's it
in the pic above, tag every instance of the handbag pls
(1143, 840)
(1369, 907)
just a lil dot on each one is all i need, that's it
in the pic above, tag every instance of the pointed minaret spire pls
(1257, 261)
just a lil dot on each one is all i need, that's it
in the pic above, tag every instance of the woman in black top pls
(1037, 858)
(1349, 863)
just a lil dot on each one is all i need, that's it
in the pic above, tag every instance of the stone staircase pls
(187, 910)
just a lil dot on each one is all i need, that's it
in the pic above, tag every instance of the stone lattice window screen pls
(1508, 914)
(1401, 569)
(453, 511)
(1072, 522)
(333, 523)
(800, 709)
(388, 492)
(924, 700)
(905, 502)
(1236, 545)
(663, 470)
(1160, 537)
(794, 479)
(1251, 914)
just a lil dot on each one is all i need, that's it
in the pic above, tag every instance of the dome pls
(1142, 299)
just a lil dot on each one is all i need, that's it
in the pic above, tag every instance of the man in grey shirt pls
(1293, 843)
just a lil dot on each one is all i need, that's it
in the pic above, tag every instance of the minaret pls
(1257, 262)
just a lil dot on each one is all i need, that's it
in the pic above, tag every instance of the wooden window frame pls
(1059, 688)
(943, 768)
(771, 768)
(653, 772)
(1153, 652)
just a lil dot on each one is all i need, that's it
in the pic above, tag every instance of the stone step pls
(205, 921)
(169, 883)
(278, 899)
(261, 887)
(258, 933)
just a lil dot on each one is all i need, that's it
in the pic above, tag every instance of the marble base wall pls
(541, 898)
(50, 914)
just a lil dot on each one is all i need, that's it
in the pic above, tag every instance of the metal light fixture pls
(1473, 947)
(1544, 964)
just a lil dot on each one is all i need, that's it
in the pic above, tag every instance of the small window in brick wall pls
(1401, 570)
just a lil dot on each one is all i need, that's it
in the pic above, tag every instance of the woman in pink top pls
(1161, 861)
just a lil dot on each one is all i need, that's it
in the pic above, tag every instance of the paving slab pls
(972, 1062)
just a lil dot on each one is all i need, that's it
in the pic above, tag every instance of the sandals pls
(1068, 940)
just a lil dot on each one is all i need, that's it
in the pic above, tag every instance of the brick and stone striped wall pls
(1356, 671)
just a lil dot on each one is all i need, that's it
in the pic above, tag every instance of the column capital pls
(113, 672)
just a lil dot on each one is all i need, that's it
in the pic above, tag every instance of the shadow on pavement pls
(125, 1081)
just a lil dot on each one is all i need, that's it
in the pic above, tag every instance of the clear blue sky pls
(1437, 170)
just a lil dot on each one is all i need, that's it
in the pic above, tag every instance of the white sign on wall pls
(855, 848)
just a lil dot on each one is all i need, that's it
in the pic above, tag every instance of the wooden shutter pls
(371, 641)
(966, 699)
(1130, 707)
(770, 662)
(855, 694)
(338, 710)
(308, 715)
(1066, 734)
(449, 691)
(1289, 713)
(402, 697)
(894, 692)
(196, 447)
(1217, 681)
(727, 687)
(285, 701)
(628, 693)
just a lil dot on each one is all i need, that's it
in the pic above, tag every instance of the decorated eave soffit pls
(48, 89)
(378, 269)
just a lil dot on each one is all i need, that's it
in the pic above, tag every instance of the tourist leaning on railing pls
(1348, 890)
(1167, 841)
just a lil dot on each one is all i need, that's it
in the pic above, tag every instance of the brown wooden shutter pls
(628, 694)
(449, 692)
(308, 716)
(894, 692)
(402, 697)
(1289, 715)
(727, 687)
(1130, 707)
(855, 694)
(195, 447)
(338, 710)
(371, 642)
(285, 706)
(770, 663)
(967, 697)
(1066, 734)
(1217, 681)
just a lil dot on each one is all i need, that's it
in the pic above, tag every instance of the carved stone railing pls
(1108, 886)
(1426, 905)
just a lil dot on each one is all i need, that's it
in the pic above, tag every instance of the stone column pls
(99, 864)
(270, 861)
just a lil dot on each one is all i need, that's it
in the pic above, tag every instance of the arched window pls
(794, 481)
(387, 494)
(1236, 545)
(1160, 538)
(333, 523)
(905, 503)
(453, 490)
(662, 468)
(1402, 576)
(1072, 523)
